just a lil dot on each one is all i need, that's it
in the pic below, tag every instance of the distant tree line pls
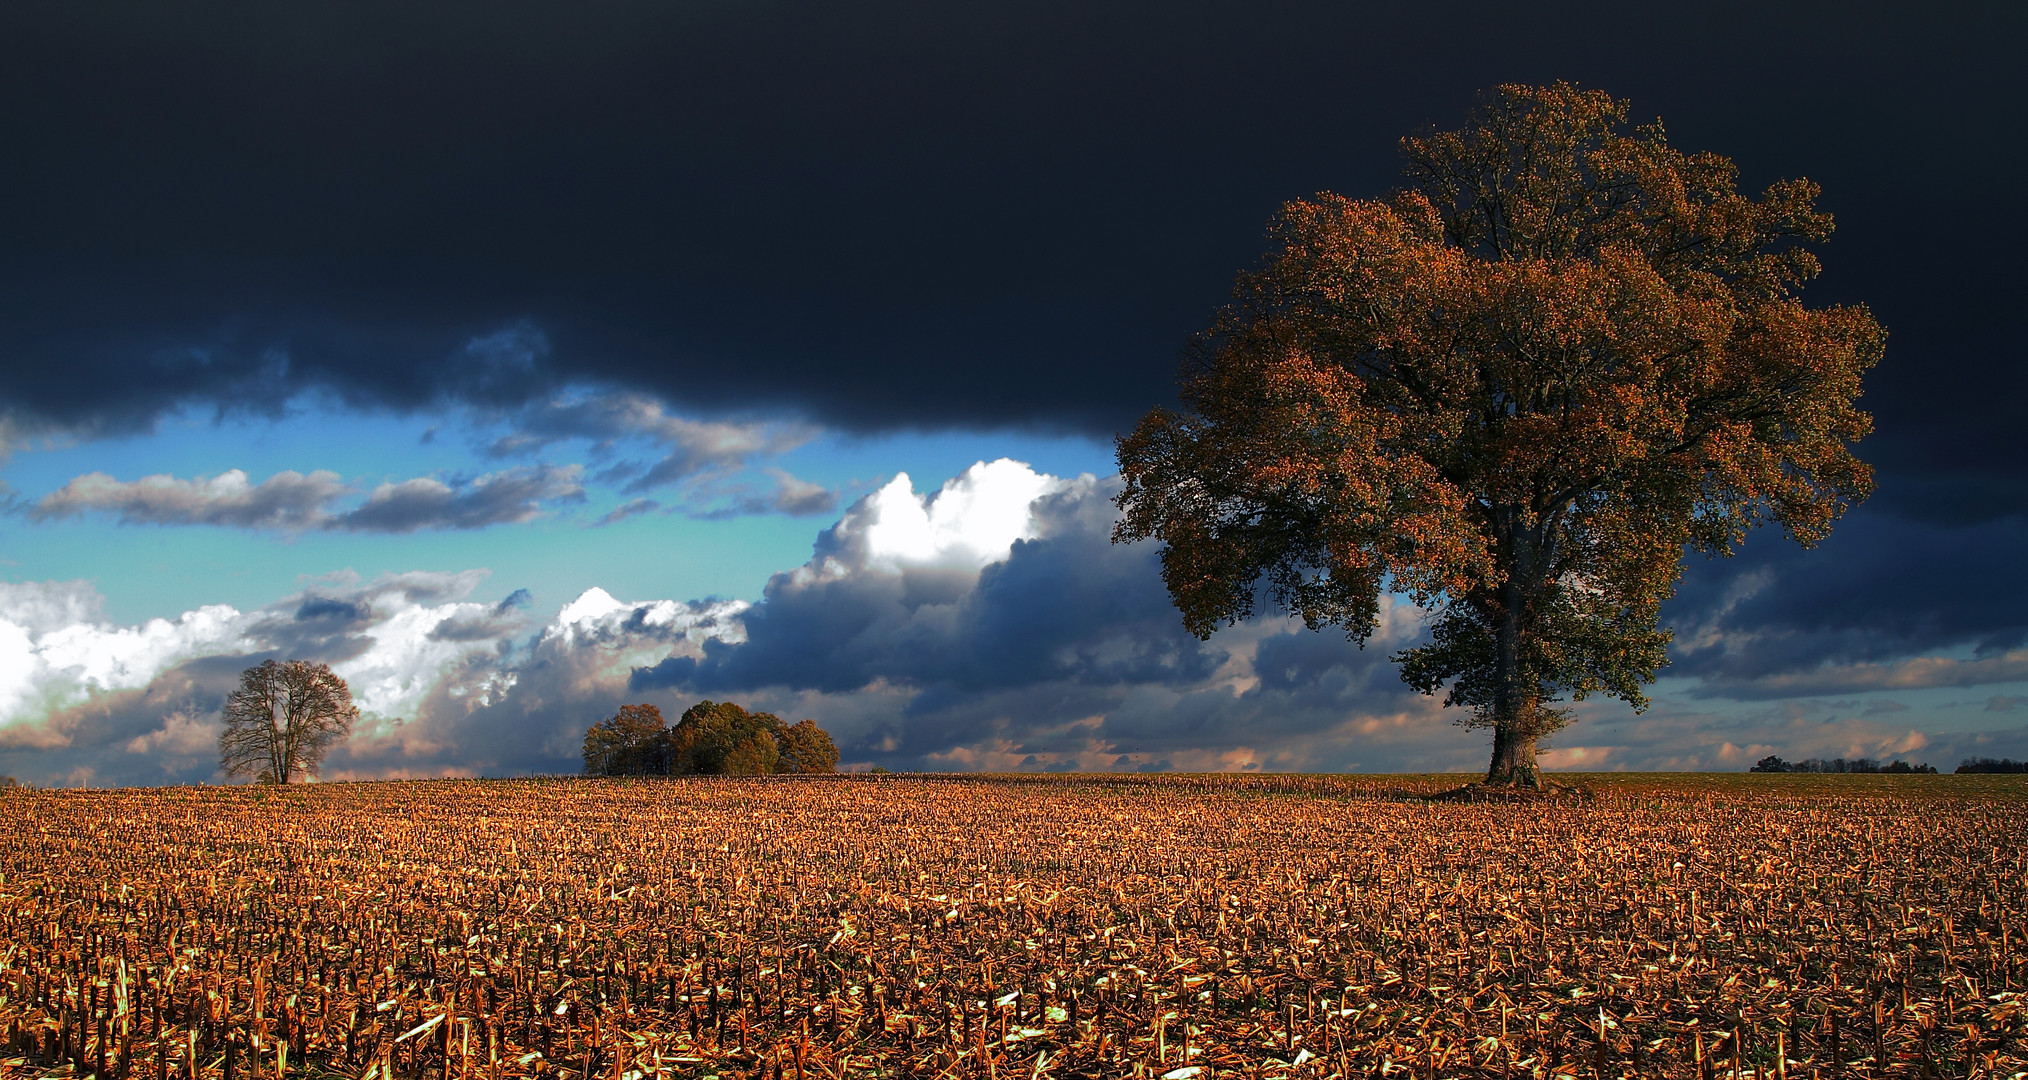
(713, 738)
(1992, 765)
(1772, 763)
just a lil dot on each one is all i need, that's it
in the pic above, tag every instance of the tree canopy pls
(282, 720)
(805, 748)
(632, 742)
(1514, 392)
(711, 738)
(720, 738)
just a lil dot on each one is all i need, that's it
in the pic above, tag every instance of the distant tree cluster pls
(1772, 763)
(713, 738)
(1992, 765)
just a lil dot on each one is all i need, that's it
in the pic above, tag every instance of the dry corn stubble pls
(1016, 927)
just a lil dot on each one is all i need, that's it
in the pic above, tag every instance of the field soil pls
(1017, 927)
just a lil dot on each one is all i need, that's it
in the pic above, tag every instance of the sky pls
(521, 360)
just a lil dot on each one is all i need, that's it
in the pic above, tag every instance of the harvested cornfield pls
(1016, 927)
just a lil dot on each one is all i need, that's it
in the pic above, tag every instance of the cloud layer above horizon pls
(988, 624)
(625, 303)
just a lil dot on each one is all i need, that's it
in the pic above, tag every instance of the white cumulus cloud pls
(405, 657)
(596, 616)
(56, 649)
(970, 523)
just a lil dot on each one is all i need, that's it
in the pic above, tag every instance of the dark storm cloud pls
(1886, 602)
(594, 225)
(887, 215)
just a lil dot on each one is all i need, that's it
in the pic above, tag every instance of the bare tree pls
(283, 719)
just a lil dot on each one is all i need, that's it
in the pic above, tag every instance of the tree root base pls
(1512, 793)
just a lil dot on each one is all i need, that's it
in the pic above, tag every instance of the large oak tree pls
(1516, 392)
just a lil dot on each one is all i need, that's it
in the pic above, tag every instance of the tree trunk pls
(1514, 721)
(1514, 757)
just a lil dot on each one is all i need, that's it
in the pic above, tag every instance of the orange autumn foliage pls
(1515, 392)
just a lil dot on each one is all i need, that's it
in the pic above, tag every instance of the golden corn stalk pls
(1011, 927)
